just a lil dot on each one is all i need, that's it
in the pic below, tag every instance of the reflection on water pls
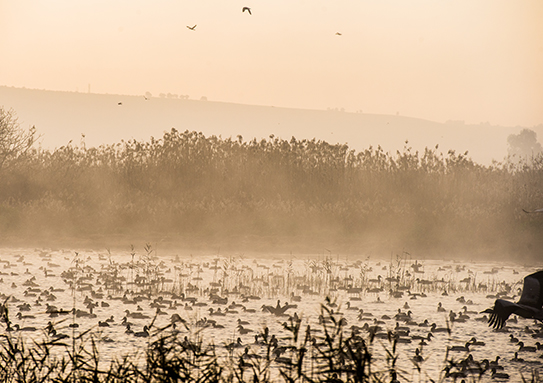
(227, 298)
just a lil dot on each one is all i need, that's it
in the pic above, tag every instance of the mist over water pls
(272, 195)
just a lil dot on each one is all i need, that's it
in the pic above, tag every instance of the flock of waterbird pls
(134, 299)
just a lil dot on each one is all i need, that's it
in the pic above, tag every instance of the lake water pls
(73, 277)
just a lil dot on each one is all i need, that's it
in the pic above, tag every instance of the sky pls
(471, 60)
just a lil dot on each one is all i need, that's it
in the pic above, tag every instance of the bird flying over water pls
(246, 9)
(533, 211)
(192, 28)
(529, 305)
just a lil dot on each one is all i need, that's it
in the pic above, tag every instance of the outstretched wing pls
(532, 291)
(500, 313)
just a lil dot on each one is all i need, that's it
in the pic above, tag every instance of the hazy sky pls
(472, 60)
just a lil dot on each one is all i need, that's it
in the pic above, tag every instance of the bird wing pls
(532, 291)
(500, 313)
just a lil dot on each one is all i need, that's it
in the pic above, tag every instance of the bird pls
(246, 9)
(142, 334)
(119, 103)
(338, 33)
(533, 211)
(522, 347)
(192, 28)
(529, 305)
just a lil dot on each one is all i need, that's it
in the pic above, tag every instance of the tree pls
(14, 141)
(524, 145)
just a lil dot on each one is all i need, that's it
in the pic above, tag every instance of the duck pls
(499, 375)
(474, 342)
(417, 358)
(142, 334)
(522, 347)
(434, 328)
(464, 348)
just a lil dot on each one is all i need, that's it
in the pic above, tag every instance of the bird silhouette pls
(529, 305)
(533, 211)
(338, 34)
(192, 28)
(246, 9)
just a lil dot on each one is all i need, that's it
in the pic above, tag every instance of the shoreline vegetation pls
(187, 190)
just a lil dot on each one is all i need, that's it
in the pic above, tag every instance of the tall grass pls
(186, 185)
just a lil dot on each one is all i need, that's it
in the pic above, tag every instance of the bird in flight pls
(338, 34)
(192, 28)
(533, 211)
(119, 103)
(529, 305)
(246, 9)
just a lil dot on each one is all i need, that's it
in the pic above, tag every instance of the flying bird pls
(533, 211)
(529, 305)
(338, 34)
(246, 9)
(192, 28)
(119, 103)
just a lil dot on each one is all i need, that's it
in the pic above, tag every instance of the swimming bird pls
(522, 347)
(434, 328)
(499, 375)
(474, 342)
(529, 305)
(246, 9)
(460, 348)
(192, 28)
(142, 334)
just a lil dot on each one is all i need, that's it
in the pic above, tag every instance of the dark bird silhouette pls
(338, 34)
(533, 211)
(529, 305)
(246, 9)
(192, 28)
(119, 103)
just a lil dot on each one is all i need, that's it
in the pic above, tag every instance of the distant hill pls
(61, 117)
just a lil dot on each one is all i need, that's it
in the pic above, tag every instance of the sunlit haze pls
(471, 60)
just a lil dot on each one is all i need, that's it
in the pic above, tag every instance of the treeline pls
(284, 194)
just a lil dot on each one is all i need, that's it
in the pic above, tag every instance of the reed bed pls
(273, 194)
